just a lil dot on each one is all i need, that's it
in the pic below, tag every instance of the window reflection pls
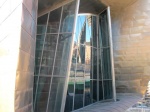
(62, 54)
(79, 90)
(90, 76)
(42, 22)
(42, 94)
(53, 47)
(57, 89)
(68, 17)
(54, 21)
(87, 97)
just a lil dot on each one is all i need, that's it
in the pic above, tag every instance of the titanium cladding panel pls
(131, 41)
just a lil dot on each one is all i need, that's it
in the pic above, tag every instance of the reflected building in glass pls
(73, 59)
(58, 55)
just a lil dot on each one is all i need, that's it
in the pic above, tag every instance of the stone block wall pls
(131, 42)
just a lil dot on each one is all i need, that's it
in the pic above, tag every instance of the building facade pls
(62, 55)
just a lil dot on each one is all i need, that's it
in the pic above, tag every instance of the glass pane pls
(42, 94)
(40, 37)
(48, 55)
(94, 91)
(70, 91)
(87, 97)
(54, 21)
(94, 31)
(104, 33)
(108, 92)
(81, 54)
(94, 63)
(62, 54)
(79, 89)
(100, 90)
(56, 95)
(41, 24)
(88, 72)
(70, 94)
(106, 64)
(50, 42)
(81, 30)
(88, 55)
(88, 35)
(100, 64)
(35, 87)
(68, 17)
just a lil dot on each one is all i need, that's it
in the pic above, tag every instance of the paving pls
(125, 102)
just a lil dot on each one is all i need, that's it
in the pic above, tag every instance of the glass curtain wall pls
(53, 47)
(90, 74)
(82, 86)
(105, 60)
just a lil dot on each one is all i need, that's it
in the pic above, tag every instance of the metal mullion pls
(97, 60)
(75, 80)
(74, 34)
(41, 59)
(92, 73)
(111, 53)
(101, 50)
(55, 7)
(60, 33)
(102, 11)
(54, 60)
(84, 88)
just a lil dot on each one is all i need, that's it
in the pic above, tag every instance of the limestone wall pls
(131, 41)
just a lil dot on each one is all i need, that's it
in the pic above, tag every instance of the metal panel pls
(111, 53)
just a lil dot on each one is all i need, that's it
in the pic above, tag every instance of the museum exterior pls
(63, 55)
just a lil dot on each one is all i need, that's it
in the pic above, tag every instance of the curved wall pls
(131, 42)
(17, 50)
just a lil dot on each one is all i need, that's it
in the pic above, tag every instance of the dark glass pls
(68, 17)
(54, 21)
(100, 90)
(69, 96)
(87, 97)
(42, 94)
(79, 89)
(56, 95)
(106, 64)
(94, 31)
(104, 32)
(94, 63)
(50, 42)
(41, 24)
(35, 86)
(100, 64)
(40, 37)
(94, 91)
(38, 54)
(39, 45)
(74, 56)
(62, 54)
(108, 92)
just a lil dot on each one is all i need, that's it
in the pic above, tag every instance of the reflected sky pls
(82, 20)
